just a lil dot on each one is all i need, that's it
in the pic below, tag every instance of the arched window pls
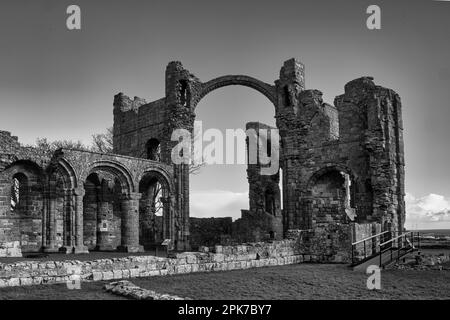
(153, 150)
(269, 146)
(184, 93)
(18, 191)
(333, 197)
(287, 96)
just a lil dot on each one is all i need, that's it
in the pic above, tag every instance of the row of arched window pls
(19, 183)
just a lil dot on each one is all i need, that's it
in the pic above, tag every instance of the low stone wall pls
(10, 249)
(222, 258)
(329, 243)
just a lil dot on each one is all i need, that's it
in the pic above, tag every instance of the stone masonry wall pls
(209, 231)
(10, 249)
(222, 258)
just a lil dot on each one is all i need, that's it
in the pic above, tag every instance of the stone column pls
(79, 247)
(173, 223)
(165, 217)
(44, 220)
(49, 210)
(68, 209)
(130, 224)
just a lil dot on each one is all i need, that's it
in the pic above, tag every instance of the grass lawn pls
(302, 281)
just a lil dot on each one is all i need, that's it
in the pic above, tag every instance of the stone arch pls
(156, 208)
(59, 221)
(328, 168)
(32, 177)
(266, 89)
(153, 149)
(160, 174)
(330, 196)
(26, 167)
(116, 169)
(64, 169)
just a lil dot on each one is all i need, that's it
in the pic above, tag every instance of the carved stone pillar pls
(50, 232)
(78, 199)
(173, 224)
(68, 220)
(44, 220)
(167, 218)
(130, 224)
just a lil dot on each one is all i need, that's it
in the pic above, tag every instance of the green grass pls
(303, 281)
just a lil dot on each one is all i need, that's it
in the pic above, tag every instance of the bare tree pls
(103, 142)
(48, 147)
(196, 168)
(157, 194)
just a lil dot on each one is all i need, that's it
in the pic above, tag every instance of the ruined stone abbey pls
(342, 169)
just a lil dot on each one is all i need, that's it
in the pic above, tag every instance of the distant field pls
(302, 281)
(442, 232)
(439, 242)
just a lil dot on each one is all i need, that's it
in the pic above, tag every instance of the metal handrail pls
(403, 237)
(376, 235)
(393, 239)
(378, 247)
(374, 243)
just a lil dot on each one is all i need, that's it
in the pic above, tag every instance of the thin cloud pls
(430, 211)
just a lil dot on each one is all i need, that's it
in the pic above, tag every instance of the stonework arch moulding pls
(115, 168)
(161, 175)
(242, 80)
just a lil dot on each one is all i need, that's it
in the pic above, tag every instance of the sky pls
(59, 83)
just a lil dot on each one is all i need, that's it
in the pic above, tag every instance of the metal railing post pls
(365, 249)
(353, 254)
(380, 259)
(418, 240)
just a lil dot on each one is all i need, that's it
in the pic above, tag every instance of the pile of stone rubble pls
(128, 289)
(425, 262)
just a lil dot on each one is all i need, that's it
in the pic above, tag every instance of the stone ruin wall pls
(21, 229)
(73, 201)
(342, 164)
(222, 258)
